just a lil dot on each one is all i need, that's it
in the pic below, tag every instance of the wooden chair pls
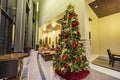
(112, 58)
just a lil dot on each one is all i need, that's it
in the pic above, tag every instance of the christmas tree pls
(70, 60)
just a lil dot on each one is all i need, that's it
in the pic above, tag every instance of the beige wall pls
(110, 33)
(105, 33)
(94, 29)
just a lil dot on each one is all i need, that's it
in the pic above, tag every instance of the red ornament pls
(60, 35)
(78, 60)
(81, 44)
(69, 16)
(66, 40)
(73, 24)
(74, 53)
(66, 36)
(77, 23)
(65, 66)
(85, 58)
(72, 61)
(66, 56)
(56, 68)
(78, 33)
(62, 58)
(74, 45)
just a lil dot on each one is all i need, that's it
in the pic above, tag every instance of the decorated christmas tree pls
(70, 61)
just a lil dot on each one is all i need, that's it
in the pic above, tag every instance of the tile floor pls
(97, 72)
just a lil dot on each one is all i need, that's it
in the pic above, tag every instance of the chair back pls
(109, 53)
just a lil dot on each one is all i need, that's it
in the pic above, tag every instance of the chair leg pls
(112, 63)
(109, 62)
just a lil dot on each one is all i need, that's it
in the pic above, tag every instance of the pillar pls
(20, 26)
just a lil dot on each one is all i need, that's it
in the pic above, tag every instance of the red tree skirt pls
(73, 75)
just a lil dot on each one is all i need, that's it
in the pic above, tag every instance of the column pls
(81, 9)
(20, 26)
(30, 24)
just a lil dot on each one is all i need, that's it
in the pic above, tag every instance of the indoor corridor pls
(36, 68)
(69, 35)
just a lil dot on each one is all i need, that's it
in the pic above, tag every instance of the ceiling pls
(57, 21)
(36, 0)
(89, 1)
(104, 8)
(50, 28)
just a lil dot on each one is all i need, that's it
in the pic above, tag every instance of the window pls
(7, 20)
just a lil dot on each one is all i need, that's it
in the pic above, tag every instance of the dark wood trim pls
(104, 8)
(3, 12)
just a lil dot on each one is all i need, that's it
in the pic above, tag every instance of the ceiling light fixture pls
(44, 29)
(53, 24)
(96, 7)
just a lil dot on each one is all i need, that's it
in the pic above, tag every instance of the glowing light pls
(53, 24)
(37, 6)
(44, 28)
(96, 6)
(44, 35)
(53, 32)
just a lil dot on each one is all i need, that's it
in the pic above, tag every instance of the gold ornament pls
(63, 51)
(62, 69)
(70, 64)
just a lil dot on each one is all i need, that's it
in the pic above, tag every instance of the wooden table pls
(18, 56)
(116, 54)
(48, 55)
